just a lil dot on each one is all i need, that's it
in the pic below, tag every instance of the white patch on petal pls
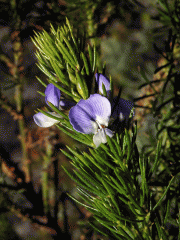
(95, 127)
(121, 117)
(102, 121)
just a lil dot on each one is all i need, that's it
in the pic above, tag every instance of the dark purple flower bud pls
(121, 108)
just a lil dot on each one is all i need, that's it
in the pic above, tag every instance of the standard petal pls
(101, 79)
(81, 119)
(100, 108)
(44, 121)
(121, 109)
(53, 95)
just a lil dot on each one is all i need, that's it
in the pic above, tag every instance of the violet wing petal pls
(101, 79)
(53, 95)
(44, 121)
(121, 109)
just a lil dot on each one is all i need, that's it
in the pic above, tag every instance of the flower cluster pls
(90, 116)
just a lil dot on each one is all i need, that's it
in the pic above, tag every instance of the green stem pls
(22, 130)
(45, 189)
(90, 23)
(17, 77)
(91, 29)
(45, 177)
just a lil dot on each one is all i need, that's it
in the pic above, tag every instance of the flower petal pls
(83, 116)
(101, 79)
(109, 132)
(81, 120)
(53, 95)
(101, 108)
(121, 109)
(44, 121)
(100, 137)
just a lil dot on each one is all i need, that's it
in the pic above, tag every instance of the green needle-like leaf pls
(109, 190)
(47, 73)
(85, 63)
(72, 51)
(66, 55)
(167, 212)
(71, 32)
(94, 59)
(60, 76)
(50, 115)
(62, 89)
(164, 194)
(157, 158)
(117, 231)
(41, 93)
(76, 136)
(58, 111)
(45, 85)
(89, 157)
(81, 86)
(97, 156)
(90, 56)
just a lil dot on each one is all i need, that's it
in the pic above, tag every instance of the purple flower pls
(52, 95)
(120, 108)
(92, 116)
(101, 79)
